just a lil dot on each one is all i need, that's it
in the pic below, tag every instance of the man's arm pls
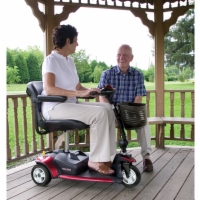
(138, 99)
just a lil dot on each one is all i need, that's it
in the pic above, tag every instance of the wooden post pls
(159, 59)
(49, 25)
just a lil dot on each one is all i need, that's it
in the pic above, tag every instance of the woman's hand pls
(87, 93)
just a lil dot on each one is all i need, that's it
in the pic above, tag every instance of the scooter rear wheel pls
(133, 177)
(40, 175)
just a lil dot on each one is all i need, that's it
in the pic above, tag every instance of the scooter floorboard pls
(90, 175)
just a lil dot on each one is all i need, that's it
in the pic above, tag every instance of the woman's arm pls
(51, 89)
(79, 87)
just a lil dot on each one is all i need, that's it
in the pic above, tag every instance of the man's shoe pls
(147, 166)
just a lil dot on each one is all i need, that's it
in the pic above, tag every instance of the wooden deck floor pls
(172, 179)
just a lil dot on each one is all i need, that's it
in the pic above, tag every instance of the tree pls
(35, 50)
(22, 66)
(9, 59)
(33, 68)
(179, 43)
(81, 61)
(97, 74)
(12, 74)
(149, 74)
(172, 73)
(187, 73)
(93, 64)
(103, 65)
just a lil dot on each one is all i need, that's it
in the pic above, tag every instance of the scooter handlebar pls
(103, 92)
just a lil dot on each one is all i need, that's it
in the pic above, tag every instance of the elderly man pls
(129, 85)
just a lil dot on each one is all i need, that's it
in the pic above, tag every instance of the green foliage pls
(93, 64)
(172, 71)
(22, 66)
(97, 74)
(103, 65)
(81, 61)
(188, 73)
(33, 68)
(9, 60)
(181, 78)
(21, 57)
(35, 50)
(12, 75)
(165, 77)
(179, 42)
(149, 74)
(172, 78)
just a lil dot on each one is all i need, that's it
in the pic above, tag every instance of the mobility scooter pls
(72, 164)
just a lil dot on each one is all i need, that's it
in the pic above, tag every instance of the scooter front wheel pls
(40, 175)
(133, 177)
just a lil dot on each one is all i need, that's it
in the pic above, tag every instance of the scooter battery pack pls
(72, 163)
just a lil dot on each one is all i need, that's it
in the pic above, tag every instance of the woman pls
(60, 77)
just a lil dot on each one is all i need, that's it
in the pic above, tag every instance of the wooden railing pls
(23, 141)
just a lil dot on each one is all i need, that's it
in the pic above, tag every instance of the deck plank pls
(30, 189)
(172, 178)
(16, 175)
(178, 178)
(20, 168)
(55, 190)
(74, 191)
(159, 158)
(92, 192)
(187, 191)
(110, 192)
(19, 181)
(163, 176)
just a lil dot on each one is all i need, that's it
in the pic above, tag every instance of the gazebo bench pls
(162, 121)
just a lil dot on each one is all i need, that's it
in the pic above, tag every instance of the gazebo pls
(173, 175)
(158, 28)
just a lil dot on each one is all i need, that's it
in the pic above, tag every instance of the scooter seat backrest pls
(34, 90)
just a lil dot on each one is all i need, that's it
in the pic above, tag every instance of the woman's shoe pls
(102, 168)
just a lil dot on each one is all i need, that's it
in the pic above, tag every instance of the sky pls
(101, 31)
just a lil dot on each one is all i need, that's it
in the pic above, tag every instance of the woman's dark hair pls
(61, 33)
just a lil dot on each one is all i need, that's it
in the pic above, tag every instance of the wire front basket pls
(133, 115)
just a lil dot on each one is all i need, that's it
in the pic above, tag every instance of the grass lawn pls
(21, 88)
(15, 88)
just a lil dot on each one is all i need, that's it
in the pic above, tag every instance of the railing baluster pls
(41, 142)
(182, 104)
(172, 113)
(171, 104)
(192, 99)
(34, 143)
(182, 131)
(24, 118)
(147, 103)
(192, 115)
(87, 136)
(129, 135)
(16, 130)
(8, 144)
(76, 137)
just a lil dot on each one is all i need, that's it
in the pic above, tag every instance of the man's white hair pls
(127, 46)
